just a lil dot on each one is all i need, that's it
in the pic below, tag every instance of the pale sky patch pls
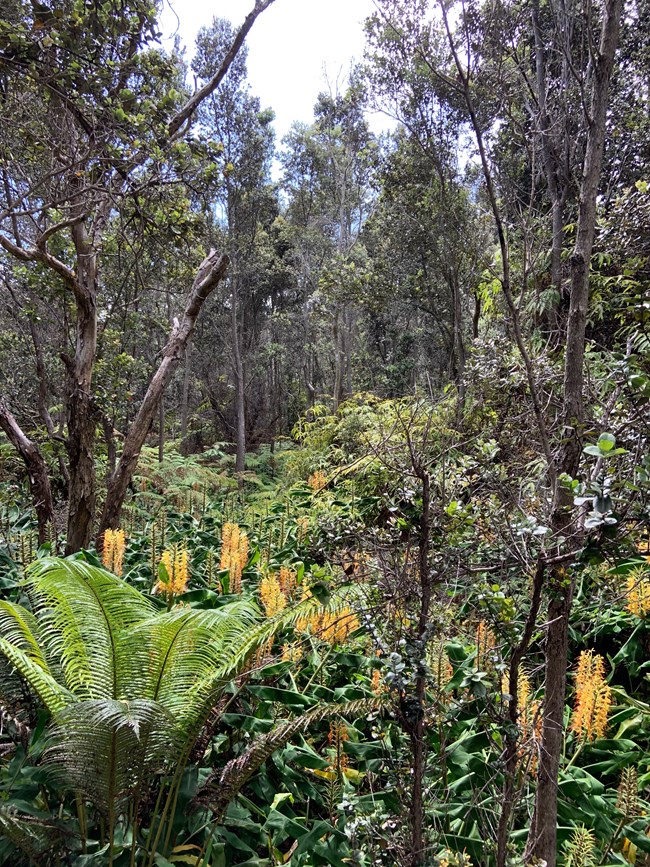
(294, 48)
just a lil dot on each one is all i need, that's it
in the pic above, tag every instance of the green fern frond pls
(54, 696)
(33, 837)
(221, 787)
(102, 748)
(82, 609)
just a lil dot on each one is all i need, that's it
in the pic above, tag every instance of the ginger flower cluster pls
(113, 552)
(176, 563)
(638, 592)
(317, 481)
(272, 595)
(593, 698)
(234, 554)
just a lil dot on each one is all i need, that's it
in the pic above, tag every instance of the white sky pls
(292, 46)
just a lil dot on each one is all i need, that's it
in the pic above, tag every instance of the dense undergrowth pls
(238, 683)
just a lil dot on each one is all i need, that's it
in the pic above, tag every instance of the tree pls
(244, 197)
(98, 131)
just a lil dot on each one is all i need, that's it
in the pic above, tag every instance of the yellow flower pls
(273, 599)
(234, 554)
(485, 644)
(287, 580)
(317, 481)
(176, 563)
(530, 722)
(593, 697)
(638, 592)
(113, 552)
(291, 653)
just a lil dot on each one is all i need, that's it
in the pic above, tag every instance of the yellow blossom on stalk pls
(335, 627)
(317, 481)
(273, 599)
(263, 652)
(376, 684)
(234, 554)
(593, 697)
(176, 563)
(113, 553)
(338, 735)
(291, 653)
(287, 580)
(530, 721)
(638, 592)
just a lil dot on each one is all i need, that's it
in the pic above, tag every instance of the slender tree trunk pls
(459, 346)
(412, 712)
(186, 392)
(551, 159)
(240, 386)
(339, 358)
(542, 841)
(161, 429)
(43, 392)
(39, 483)
(81, 415)
(210, 273)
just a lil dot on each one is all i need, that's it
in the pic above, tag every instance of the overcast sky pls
(291, 48)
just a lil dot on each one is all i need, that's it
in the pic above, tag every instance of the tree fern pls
(130, 687)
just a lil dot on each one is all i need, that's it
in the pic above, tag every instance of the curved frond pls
(222, 787)
(21, 628)
(103, 747)
(82, 609)
(54, 696)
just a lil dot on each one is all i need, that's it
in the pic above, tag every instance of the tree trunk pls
(542, 840)
(42, 401)
(240, 386)
(161, 429)
(210, 273)
(81, 414)
(39, 483)
(459, 346)
(413, 708)
(186, 392)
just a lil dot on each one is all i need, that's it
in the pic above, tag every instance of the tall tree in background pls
(244, 199)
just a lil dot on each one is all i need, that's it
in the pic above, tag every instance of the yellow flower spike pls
(485, 642)
(234, 554)
(107, 553)
(176, 563)
(273, 599)
(593, 697)
(317, 481)
(113, 551)
(291, 653)
(638, 592)
(287, 580)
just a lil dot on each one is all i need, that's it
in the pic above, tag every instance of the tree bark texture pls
(240, 385)
(39, 482)
(81, 413)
